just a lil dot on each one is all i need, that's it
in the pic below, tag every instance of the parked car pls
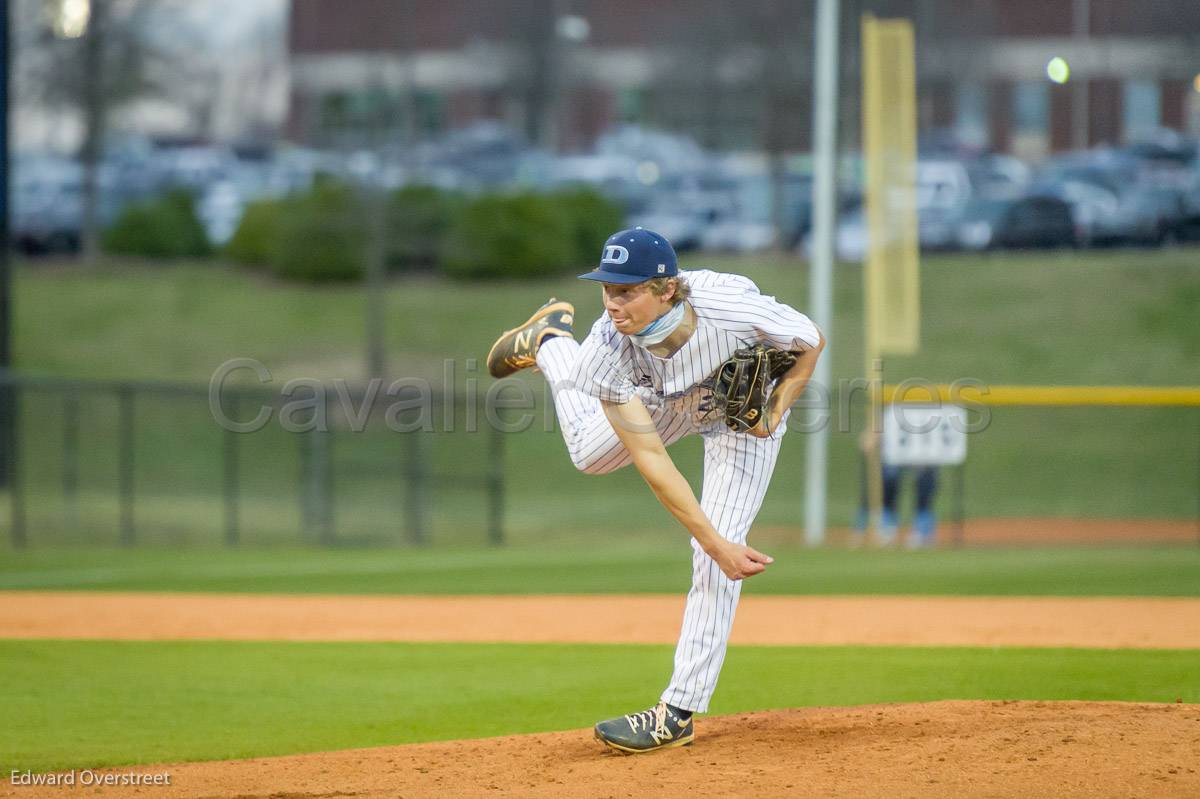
(737, 234)
(943, 189)
(753, 187)
(1109, 169)
(1142, 214)
(1096, 211)
(683, 227)
(47, 214)
(47, 203)
(1152, 213)
(1188, 228)
(190, 166)
(999, 176)
(937, 229)
(944, 185)
(1033, 221)
(849, 239)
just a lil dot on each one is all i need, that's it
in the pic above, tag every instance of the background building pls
(738, 76)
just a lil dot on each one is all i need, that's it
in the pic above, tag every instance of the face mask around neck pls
(660, 328)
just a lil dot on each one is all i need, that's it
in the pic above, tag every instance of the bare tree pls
(536, 32)
(90, 71)
(753, 78)
(94, 123)
(782, 37)
(380, 125)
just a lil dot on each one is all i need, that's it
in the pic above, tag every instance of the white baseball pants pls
(737, 471)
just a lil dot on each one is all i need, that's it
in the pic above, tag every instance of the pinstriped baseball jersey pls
(730, 313)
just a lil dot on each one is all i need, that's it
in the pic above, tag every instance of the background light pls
(1196, 83)
(647, 173)
(71, 19)
(1058, 70)
(573, 28)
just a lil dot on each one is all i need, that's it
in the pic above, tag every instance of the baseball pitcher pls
(676, 353)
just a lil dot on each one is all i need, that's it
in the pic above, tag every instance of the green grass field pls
(1117, 317)
(93, 703)
(607, 568)
(1101, 317)
(161, 702)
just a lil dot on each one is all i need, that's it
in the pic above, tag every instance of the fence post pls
(304, 484)
(328, 494)
(960, 503)
(70, 459)
(125, 461)
(9, 438)
(11, 463)
(496, 488)
(230, 461)
(417, 526)
(317, 485)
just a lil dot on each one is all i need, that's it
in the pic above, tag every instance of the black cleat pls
(517, 348)
(647, 731)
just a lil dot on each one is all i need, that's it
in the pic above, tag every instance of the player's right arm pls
(636, 430)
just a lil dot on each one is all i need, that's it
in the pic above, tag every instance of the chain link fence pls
(97, 462)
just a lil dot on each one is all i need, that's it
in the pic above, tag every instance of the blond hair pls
(658, 287)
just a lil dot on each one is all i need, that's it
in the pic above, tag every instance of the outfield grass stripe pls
(76, 704)
(280, 566)
(1120, 623)
(658, 565)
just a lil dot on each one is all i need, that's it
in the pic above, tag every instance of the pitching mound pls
(960, 749)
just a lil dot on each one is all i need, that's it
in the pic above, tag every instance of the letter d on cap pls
(615, 254)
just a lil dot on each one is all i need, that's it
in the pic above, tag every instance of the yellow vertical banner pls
(889, 126)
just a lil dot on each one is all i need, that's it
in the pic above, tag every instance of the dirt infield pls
(939, 749)
(1102, 622)
(1076, 531)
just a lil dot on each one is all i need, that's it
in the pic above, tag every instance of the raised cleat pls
(517, 348)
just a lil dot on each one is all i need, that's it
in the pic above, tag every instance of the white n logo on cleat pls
(524, 340)
(661, 734)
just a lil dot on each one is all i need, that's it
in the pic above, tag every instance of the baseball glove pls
(741, 383)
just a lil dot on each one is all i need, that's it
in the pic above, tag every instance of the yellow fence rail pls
(971, 394)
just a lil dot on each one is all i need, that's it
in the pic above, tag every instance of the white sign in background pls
(924, 435)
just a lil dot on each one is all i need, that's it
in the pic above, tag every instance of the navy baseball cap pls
(635, 256)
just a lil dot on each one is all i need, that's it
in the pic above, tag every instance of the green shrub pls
(593, 218)
(166, 227)
(321, 236)
(257, 235)
(419, 219)
(520, 236)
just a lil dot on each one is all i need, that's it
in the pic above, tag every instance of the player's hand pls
(738, 561)
(760, 430)
(768, 424)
